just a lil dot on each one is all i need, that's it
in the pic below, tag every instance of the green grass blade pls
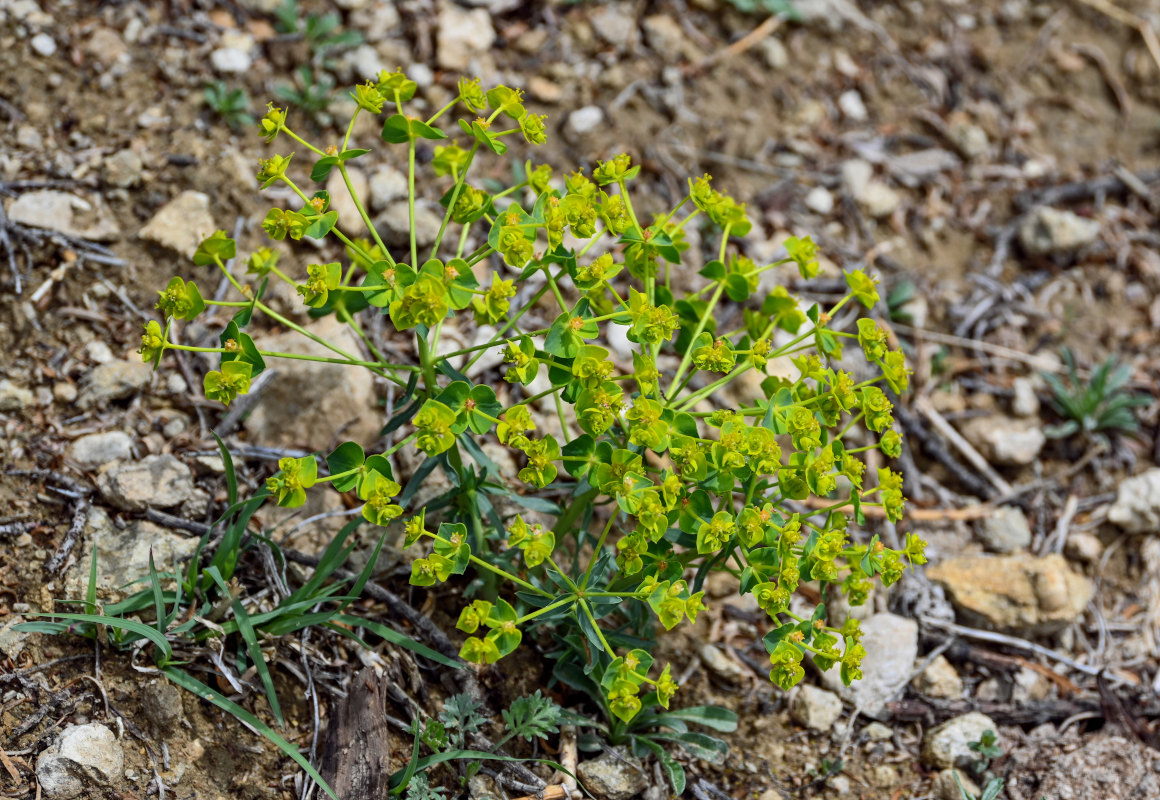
(158, 600)
(402, 640)
(191, 684)
(365, 575)
(253, 649)
(130, 625)
(231, 474)
(91, 590)
(332, 558)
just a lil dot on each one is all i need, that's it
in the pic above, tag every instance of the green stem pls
(688, 357)
(411, 201)
(596, 626)
(302, 141)
(362, 212)
(596, 551)
(462, 178)
(705, 391)
(479, 562)
(349, 129)
(562, 601)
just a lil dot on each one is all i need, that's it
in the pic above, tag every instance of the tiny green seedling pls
(1098, 406)
(232, 105)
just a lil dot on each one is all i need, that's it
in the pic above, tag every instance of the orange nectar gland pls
(824, 318)
(317, 204)
(451, 272)
(818, 624)
(482, 123)
(469, 404)
(509, 626)
(797, 636)
(577, 323)
(232, 346)
(879, 547)
(332, 150)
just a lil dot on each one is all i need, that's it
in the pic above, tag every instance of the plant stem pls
(688, 357)
(597, 550)
(411, 201)
(454, 196)
(599, 633)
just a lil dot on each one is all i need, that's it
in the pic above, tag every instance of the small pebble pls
(43, 44)
(820, 200)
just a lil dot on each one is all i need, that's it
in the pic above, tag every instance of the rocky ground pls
(995, 162)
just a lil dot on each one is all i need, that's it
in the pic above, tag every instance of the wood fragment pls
(80, 517)
(961, 444)
(1143, 26)
(356, 749)
(737, 48)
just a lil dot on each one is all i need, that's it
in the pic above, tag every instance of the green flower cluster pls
(643, 479)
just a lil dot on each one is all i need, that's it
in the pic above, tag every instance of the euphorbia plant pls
(645, 487)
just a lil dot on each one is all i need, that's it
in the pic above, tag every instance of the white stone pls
(365, 62)
(98, 352)
(29, 137)
(667, 38)
(43, 44)
(124, 168)
(1137, 506)
(234, 55)
(940, 679)
(490, 358)
(891, 644)
(307, 400)
(181, 224)
(230, 60)
(461, 35)
(86, 758)
(946, 746)
(774, 53)
(852, 106)
(1026, 400)
(123, 553)
(349, 220)
(820, 200)
(945, 787)
(65, 213)
(155, 481)
(13, 397)
(394, 223)
(815, 708)
(1050, 231)
(585, 120)
(722, 666)
(98, 449)
(1005, 440)
(878, 199)
(1005, 530)
(1083, 546)
(615, 23)
(856, 174)
(112, 381)
(970, 140)
(387, 185)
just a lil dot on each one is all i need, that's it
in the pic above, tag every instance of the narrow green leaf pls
(191, 684)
